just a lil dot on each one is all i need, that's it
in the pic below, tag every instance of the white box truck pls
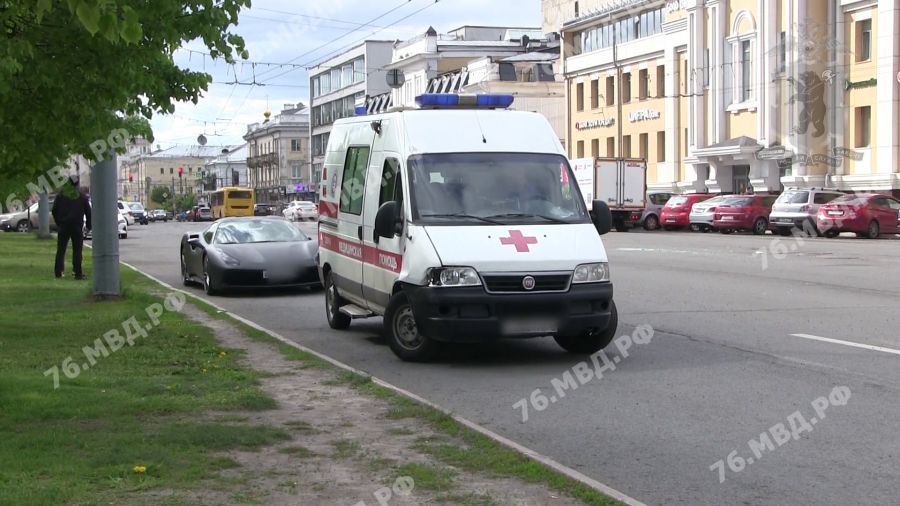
(620, 182)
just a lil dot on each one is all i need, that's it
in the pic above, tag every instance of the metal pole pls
(43, 216)
(104, 217)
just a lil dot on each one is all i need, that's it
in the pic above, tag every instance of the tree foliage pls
(162, 195)
(73, 71)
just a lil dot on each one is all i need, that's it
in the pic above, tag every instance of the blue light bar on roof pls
(453, 100)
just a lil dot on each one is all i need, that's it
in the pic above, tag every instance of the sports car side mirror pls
(387, 221)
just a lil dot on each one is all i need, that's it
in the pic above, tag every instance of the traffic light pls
(180, 171)
(130, 178)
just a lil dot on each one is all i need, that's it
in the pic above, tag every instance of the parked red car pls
(867, 214)
(677, 212)
(744, 212)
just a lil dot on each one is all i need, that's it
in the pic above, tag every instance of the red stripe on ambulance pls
(367, 254)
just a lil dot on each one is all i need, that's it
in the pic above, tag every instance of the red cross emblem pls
(518, 240)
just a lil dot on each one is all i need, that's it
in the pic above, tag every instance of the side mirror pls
(387, 221)
(194, 239)
(601, 217)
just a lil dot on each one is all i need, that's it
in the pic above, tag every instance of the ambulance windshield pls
(492, 188)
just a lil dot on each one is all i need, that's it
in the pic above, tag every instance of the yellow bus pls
(232, 201)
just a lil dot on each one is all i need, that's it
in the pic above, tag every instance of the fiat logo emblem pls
(528, 283)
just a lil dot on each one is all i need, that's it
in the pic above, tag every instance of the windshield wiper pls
(527, 215)
(460, 215)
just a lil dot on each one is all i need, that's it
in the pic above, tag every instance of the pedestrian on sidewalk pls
(71, 212)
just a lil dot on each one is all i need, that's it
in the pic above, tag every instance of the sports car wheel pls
(208, 285)
(185, 275)
(24, 226)
(333, 301)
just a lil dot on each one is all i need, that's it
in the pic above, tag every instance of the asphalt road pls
(724, 365)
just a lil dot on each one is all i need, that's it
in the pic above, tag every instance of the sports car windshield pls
(494, 188)
(257, 231)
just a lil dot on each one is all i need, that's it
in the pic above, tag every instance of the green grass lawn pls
(136, 419)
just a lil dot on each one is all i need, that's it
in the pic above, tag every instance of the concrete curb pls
(531, 454)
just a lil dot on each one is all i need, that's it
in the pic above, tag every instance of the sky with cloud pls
(302, 33)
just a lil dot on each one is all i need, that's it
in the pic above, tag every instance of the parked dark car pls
(744, 212)
(866, 214)
(263, 210)
(249, 253)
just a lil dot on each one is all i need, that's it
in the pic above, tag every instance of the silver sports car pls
(251, 252)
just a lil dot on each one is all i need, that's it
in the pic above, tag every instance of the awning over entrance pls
(737, 147)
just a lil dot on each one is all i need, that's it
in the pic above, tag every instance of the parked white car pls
(300, 210)
(122, 226)
(126, 211)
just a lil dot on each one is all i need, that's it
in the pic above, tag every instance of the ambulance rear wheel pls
(591, 342)
(336, 319)
(402, 333)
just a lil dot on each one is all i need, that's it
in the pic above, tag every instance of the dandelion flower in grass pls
(222, 354)
(204, 370)
(139, 469)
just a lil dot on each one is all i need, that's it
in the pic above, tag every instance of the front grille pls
(241, 277)
(512, 283)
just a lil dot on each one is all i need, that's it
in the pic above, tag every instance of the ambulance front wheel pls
(333, 301)
(402, 333)
(591, 342)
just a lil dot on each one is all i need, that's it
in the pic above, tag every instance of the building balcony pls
(266, 160)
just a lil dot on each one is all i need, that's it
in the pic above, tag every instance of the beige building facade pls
(736, 95)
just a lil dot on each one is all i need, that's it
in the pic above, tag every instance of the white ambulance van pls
(461, 221)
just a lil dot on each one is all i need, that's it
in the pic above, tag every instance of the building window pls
(626, 146)
(685, 75)
(685, 143)
(643, 84)
(336, 83)
(863, 127)
(610, 146)
(579, 149)
(782, 51)
(660, 81)
(643, 141)
(162, 170)
(295, 170)
(295, 144)
(595, 93)
(626, 87)
(359, 70)
(610, 90)
(347, 74)
(576, 9)
(661, 146)
(595, 148)
(171, 170)
(326, 83)
(746, 71)
(579, 97)
(864, 40)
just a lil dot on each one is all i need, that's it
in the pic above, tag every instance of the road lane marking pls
(848, 343)
(524, 450)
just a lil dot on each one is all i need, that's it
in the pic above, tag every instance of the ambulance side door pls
(385, 255)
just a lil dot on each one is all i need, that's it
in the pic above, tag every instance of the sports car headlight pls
(228, 259)
(591, 273)
(453, 276)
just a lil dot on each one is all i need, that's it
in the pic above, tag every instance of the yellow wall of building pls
(859, 97)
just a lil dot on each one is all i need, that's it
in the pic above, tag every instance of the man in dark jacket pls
(71, 211)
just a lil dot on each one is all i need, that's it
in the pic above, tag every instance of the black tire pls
(333, 302)
(585, 344)
(784, 231)
(670, 228)
(185, 276)
(23, 226)
(705, 229)
(695, 227)
(760, 226)
(831, 234)
(403, 335)
(621, 226)
(873, 231)
(651, 222)
(208, 285)
(726, 231)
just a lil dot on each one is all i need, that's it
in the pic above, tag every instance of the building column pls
(887, 91)
(717, 111)
(696, 102)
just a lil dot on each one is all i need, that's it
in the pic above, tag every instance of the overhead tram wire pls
(332, 41)
(341, 50)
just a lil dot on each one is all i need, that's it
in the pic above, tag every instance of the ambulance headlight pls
(453, 276)
(591, 273)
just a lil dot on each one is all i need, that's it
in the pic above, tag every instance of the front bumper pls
(469, 314)
(260, 278)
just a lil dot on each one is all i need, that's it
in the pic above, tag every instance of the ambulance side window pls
(390, 187)
(354, 180)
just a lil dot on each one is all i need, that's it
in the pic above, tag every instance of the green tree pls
(185, 201)
(74, 71)
(162, 195)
